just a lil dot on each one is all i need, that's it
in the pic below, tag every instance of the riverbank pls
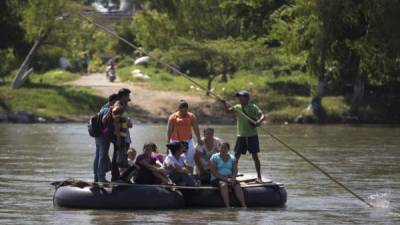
(48, 98)
(59, 96)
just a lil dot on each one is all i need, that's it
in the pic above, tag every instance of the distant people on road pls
(101, 159)
(175, 166)
(110, 69)
(247, 137)
(203, 154)
(85, 64)
(180, 126)
(223, 174)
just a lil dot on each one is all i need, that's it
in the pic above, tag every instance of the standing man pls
(247, 137)
(85, 64)
(121, 125)
(180, 126)
(102, 145)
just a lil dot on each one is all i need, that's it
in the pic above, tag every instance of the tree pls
(45, 20)
(357, 40)
(12, 45)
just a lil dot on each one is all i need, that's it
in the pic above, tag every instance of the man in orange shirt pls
(180, 126)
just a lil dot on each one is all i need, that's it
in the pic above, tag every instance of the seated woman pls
(203, 154)
(158, 156)
(223, 174)
(175, 165)
(149, 172)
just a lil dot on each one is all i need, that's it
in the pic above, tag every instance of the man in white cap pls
(247, 137)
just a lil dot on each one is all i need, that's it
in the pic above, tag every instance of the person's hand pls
(130, 125)
(258, 123)
(186, 170)
(231, 181)
(118, 142)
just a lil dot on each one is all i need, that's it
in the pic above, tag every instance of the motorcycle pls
(110, 73)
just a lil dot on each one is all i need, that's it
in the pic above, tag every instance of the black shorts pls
(244, 144)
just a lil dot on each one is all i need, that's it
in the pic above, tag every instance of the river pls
(365, 158)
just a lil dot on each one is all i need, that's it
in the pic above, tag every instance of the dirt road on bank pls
(151, 105)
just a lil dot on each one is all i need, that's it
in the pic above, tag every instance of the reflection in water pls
(365, 158)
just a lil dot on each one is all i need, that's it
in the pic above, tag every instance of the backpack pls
(108, 127)
(95, 126)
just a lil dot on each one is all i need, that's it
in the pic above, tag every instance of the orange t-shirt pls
(181, 126)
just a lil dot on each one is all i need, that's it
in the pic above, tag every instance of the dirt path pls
(151, 105)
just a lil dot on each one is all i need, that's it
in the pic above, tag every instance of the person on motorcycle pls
(110, 72)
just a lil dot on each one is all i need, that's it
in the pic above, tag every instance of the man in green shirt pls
(247, 137)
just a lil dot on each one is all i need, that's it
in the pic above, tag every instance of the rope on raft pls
(176, 70)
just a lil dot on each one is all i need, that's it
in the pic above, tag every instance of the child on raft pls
(175, 165)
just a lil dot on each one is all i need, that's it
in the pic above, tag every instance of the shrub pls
(8, 61)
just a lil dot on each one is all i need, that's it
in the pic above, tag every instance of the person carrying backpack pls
(102, 160)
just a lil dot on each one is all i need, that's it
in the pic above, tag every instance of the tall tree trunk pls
(24, 72)
(211, 78)
(321, 69)
(316, 101)
(224, 77)
(358, 95)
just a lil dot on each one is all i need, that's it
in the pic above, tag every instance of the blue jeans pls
(100, 160)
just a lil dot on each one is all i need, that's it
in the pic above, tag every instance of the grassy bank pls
(47, 96)
(283, 97)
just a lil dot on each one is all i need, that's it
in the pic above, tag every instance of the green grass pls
(46, 95)
(159, 78)
(54, 77)
(50, 101)
(283, 96)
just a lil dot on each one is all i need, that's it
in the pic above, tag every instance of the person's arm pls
(147, 165)
(117, 129)
(196, 130)
(170, 129)
(197, 160)
(116, 114)
(228, 110)
(179, 169)
(214, 172)
(159, 164)
(261, 117)
(234, 169)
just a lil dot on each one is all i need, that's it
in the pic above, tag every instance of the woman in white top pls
(203, 154)
(175, 166)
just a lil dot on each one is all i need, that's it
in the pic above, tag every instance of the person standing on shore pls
(85, 64)
(247, 137)
(180, 126)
